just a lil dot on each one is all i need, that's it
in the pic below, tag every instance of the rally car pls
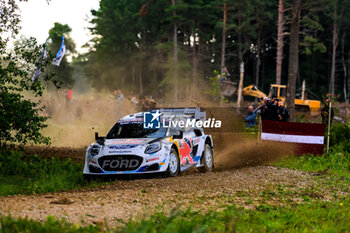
(132, 148)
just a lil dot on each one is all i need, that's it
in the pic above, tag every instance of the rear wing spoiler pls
(194, 112)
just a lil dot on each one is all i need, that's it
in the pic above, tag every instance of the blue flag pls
(60, 54)
(42, 57)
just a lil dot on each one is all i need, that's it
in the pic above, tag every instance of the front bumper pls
(112, 164)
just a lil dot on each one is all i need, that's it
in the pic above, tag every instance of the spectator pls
(263, 109)
(272, 107)
(224, 70)
(283, 114)
(251, 117)
(119, 97)
(325, 112)
(134, 100)
(69, 96)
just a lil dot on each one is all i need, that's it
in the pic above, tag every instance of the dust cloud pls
(72, 125)
(233, 150)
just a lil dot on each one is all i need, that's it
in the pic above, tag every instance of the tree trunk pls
(344, 68)
(258, 61)
(263, 66)
(240, 85)
(348, 80)
(195, 60)
(334, 51)
(223, 47)
(175, 57)
(195, 65)
(241, 62)
(279, 43)
(140, 79)
(293, 57)
(133, 77)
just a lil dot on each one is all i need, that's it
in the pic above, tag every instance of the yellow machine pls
(301, 105)
(228, 88)
(252, 90)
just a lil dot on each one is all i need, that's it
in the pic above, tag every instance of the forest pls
(170, 49)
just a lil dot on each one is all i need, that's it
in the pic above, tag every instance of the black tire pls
(207, 159)
(174, 164)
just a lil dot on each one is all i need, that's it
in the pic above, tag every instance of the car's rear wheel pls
(174, 163)
(207, 159)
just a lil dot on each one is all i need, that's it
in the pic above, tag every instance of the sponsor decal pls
(121, 163)
(128, 141)
(119, 151)
(162, 163)
(122, 147)
(197, 140)
(153, 159)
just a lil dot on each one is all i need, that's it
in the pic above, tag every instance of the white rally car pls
(130, 148)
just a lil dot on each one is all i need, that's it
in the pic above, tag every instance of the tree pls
(20, 118)
(223, 46)
(340, 20)
(64, 72)
(175, 54)
(293, 57)
(279, 43)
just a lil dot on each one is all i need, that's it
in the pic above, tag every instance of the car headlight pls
(95, 150)
(154, 147)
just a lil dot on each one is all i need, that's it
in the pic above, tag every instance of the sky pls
(38, 17)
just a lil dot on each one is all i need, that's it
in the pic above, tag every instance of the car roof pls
(136, 117)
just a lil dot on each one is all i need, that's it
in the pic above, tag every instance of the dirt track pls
(123, 199)
(233, 182)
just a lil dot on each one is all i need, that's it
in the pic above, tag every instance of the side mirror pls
(98, 139)
(179, 136)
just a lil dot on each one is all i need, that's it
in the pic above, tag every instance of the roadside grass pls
(21, 174)
(336, 162)
(315, 216)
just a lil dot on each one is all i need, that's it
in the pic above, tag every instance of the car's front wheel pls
(174, 163)
(207, 159)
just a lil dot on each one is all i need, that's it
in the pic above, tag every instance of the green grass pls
(20, 174)
(314, 216)
(336, 162)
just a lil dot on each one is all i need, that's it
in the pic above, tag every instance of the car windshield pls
(134, 130)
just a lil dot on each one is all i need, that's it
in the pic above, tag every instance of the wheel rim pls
(173, 164)
(208, 157)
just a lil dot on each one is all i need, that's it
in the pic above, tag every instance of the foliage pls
(20, 119)
(315, 216)
(20, 174)
(51, 225)
(340, 135)
(336, 162)
(215, 89)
